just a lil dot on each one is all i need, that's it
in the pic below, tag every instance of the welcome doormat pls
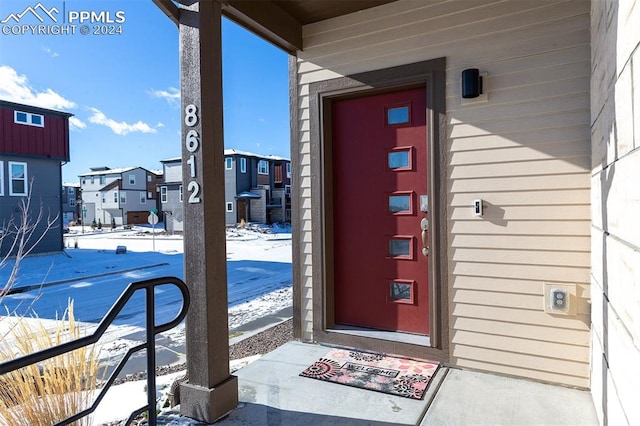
(395, 376)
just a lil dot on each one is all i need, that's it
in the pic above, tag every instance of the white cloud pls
(50, 52)
(119, 127)
(171, 95)
(76, 124)
(16, 88)
(262, 120)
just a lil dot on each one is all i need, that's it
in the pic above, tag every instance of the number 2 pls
(194, 188)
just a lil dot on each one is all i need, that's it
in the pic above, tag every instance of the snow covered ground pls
(259, 284)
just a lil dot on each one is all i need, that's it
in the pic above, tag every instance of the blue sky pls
(123, 89)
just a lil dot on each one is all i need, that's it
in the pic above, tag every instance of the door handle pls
(424, 225)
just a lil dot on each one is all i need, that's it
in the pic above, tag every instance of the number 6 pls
(191, 141)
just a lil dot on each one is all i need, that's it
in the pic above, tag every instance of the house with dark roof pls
(257, 189)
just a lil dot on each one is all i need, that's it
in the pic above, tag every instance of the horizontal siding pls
(507, 285)
(532, 242)
(526, 152)
(523, 257)
(570, 197)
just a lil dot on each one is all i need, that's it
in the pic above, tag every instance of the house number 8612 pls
(192, 143)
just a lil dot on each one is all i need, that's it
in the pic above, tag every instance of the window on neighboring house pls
(123, 197)
(149, 195)
(104, 197)
(228, 163)
(143, 198)
(72, 190)
(103, 180)
(148, 178)
(180, 192)
(229, 207)
(163, 194)
(1, 177)
(72, 202)
(243, 165)
(289, 170)
(115, 197)
(263, 167)
(93, 180)
(84, 181)
(18, 178)
(132, 179)
(277, 174)
(28, 118)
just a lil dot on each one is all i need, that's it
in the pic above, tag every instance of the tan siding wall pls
(526, 152)
(615, 277)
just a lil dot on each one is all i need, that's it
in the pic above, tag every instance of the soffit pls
(279, 21)
(310, 11)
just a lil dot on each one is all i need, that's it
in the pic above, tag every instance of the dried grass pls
(57, 388)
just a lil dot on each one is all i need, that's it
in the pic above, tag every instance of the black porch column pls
(211, 392)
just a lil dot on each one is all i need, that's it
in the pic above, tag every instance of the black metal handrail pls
(152, 330)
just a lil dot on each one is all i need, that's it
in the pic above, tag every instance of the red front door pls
(380, 199)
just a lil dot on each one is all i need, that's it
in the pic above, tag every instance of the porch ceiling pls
(279, 21)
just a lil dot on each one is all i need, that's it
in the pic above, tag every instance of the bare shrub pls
(19, 233)
(57, 388)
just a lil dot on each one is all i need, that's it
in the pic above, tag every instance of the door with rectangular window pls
(380, 211)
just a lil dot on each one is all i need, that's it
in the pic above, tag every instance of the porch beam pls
(170, 9)
(267, 20)
(211, 392)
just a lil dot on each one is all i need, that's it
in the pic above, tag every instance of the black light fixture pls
(471, 83)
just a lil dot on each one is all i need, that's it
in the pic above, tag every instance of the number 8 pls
(190, 115)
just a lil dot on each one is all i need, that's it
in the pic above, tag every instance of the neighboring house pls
(170, 194)
(71, 202)
(528, 191)
(34, 143)
(126, 195)
(257, 189)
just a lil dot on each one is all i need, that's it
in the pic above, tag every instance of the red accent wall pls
(50, 141)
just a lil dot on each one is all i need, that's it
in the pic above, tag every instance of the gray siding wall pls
(230, 190)
(615, 203)
(45, 181)
(173, 209)
(139, 179)
(70, 202)
(244, 180)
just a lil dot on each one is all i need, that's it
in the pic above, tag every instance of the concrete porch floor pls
(271, 392)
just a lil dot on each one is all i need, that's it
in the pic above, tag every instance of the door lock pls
(424, 225)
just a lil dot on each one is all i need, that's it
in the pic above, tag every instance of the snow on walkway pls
(259, 283)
